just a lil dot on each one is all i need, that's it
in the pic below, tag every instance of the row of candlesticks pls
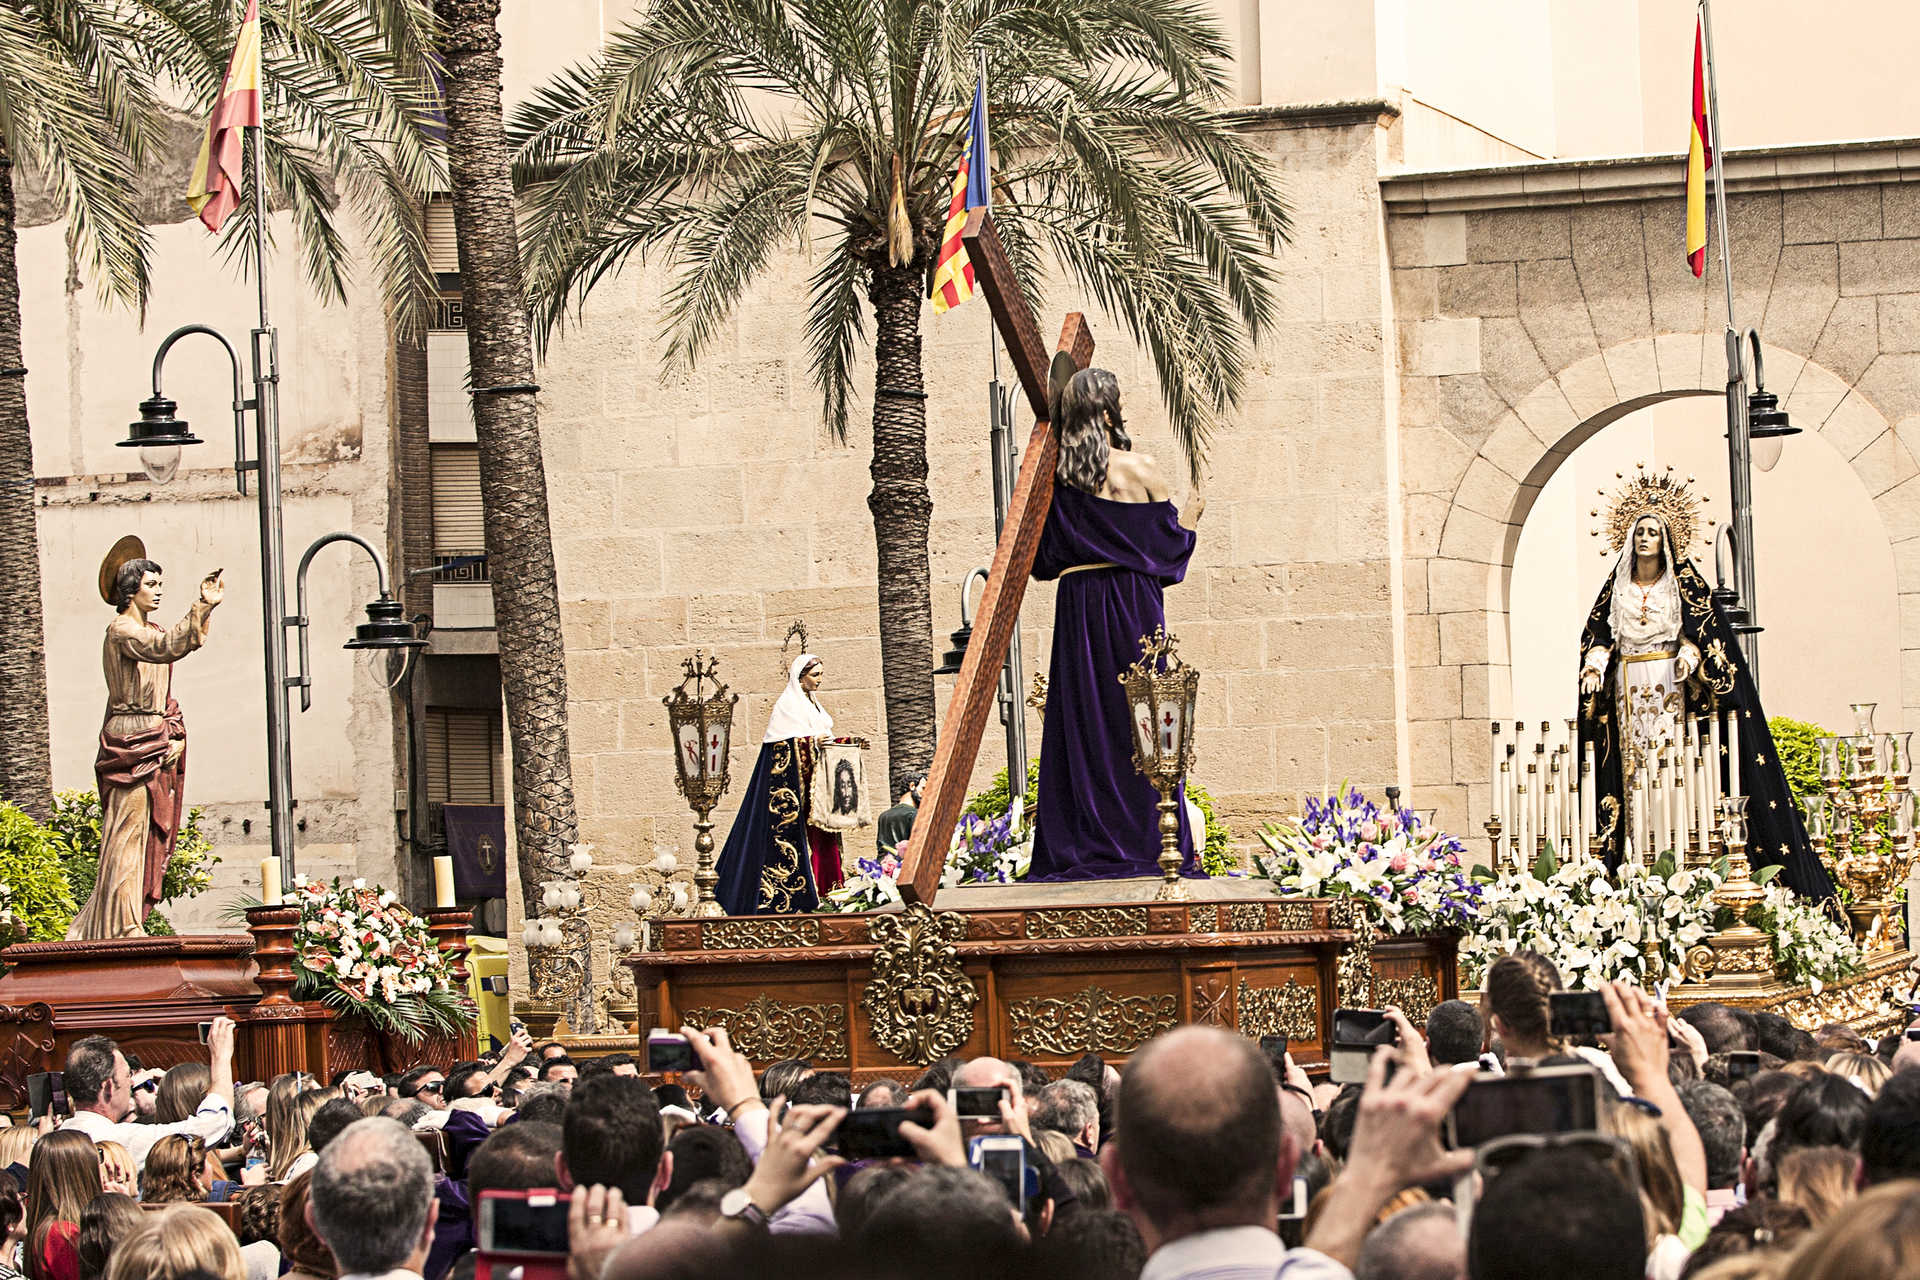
(1544, 793)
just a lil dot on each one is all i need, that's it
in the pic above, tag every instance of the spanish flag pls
(953, 273)
(214, 191)
(1699, 160)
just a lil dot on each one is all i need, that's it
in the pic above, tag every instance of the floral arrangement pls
(359, 950)
(1409, 878)
(874, 884)
(1594, 927)
(983, 851)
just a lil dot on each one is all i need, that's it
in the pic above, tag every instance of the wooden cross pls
(976, 692)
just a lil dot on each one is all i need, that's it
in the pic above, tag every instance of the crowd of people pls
(1728, 1145)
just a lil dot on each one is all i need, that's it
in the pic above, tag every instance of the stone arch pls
(1468, 574)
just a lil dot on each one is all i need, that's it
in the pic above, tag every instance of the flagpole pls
(1739, 442)
(273, 557)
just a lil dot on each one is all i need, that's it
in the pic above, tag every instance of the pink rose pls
(1369, 831)
(1399, 863)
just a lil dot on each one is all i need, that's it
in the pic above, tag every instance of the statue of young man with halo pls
(1657, 650)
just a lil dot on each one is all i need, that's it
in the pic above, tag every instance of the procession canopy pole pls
(976, 691)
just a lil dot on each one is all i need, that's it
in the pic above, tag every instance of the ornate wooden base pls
(1874, 1001)
(887, 993)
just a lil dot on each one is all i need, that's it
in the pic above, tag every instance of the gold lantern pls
(1161, 692)
(700, 716)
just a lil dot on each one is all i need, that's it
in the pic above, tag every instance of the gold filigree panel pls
(1293, 917)
(1088, 922)
(1204, 919)
(758, 933)
(1354, 970)
(1092, 1021)
(1246, 917)
(1412, 994)
(919, 1002)
(1291, 1010)
(769, 1030)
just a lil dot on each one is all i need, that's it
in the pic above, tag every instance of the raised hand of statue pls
(212, 589)
(1590, 681)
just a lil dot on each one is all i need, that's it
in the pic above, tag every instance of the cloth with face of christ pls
(1097, 816)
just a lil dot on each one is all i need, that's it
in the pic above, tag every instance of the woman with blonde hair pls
(16, 1144)
(1861, 1069)
(288, 1114)
(62, 1180)
(117, 1171)
(1877, 1238)
(1818, 1179)
(180, 1239)
(181, 1092)
(1663, 1194)
(176, 1171)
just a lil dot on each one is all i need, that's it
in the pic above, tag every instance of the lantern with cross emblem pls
(700, 716)
(1161, 692)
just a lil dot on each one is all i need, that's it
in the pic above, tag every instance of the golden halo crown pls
(1650, 494)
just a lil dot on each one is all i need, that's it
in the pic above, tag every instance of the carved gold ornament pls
(919, 1002)
(1088, 922)
(757, 933)
(1354, 970)
(1672, 501)
(769, 1030)
(1294, 917)
(1292, 1010)
(1413, 994)
(1093, 1021)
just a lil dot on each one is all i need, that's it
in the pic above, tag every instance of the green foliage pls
(33, 888)
(1216, 857)
(1797, 744)
(76, 827)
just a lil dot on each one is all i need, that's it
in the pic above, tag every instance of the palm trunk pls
(902, 514)
(26, 767)
(513, 481)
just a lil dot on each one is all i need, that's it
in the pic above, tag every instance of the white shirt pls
(811, 1212)
(1239, 1253)
(209, 1122)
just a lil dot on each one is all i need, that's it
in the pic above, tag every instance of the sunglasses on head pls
(147, 1086)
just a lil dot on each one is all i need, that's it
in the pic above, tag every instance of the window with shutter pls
(459, 526)
(465, 760)
(443, 248)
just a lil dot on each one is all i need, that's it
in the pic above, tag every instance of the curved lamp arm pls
(966, 586)
(240, 402)
(1722, 547)
(303, 681)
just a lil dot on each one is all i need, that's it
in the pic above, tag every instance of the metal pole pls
(1013, 712)
(1739, 445)
(273, 592)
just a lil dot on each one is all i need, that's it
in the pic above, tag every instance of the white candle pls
(1589, 805)
(1684, 801)
(1524, 805)
(270, 881)
(1706, 808)
(1493, 773)
(443, 881)
(1733, 754)
(1552, 801)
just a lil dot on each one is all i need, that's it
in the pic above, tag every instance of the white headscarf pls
(796, 714)
(1665, 594)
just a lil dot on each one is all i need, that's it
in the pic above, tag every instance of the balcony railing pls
(461, 566)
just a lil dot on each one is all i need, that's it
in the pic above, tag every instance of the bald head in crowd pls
(1200, 1145)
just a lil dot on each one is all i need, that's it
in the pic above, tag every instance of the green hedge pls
(1797, 743)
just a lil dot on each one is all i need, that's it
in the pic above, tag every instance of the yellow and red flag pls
(1699, 160)
(953, 271)
(214, 191)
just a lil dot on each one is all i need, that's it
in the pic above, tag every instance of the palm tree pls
(79, 112)
(720, 132)
(513, 478)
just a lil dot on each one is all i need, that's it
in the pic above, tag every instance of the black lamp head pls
(1766, 420)
(386, 627)
(957, 654)
(157, 428)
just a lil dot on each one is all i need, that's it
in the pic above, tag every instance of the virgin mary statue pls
(1656, 651)
(775, 860)
(1114, 542)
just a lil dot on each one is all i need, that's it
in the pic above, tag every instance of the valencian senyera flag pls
(214, 191)
(1699, 160)
(953, 274)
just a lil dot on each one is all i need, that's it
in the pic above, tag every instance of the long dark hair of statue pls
(1091, 428)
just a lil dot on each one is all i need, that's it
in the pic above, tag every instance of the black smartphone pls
(46, 1094)
(1913, 1033)
(1274, 1047)
(873, 1133)
(669, 1051)
(1579, 1013)
(1003, 1157)
(205, 1029)
(523, 1222)
(1743, 1064)
(982, 1103)
(1367, 1027)
(1544, 1100)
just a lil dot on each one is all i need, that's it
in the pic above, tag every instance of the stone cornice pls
(1303, 115)
(1615, 178)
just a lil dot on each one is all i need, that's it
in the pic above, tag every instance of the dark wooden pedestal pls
(1047, 984)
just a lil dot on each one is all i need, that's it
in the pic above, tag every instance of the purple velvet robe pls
(1097, 816)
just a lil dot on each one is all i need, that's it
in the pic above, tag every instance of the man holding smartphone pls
(100, 1086)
